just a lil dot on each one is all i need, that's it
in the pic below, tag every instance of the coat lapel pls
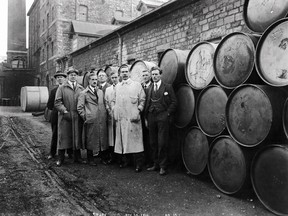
(161, 90)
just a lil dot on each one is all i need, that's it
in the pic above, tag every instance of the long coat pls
(129, 101)
(69, 125)
(109, 97)
(92, 109)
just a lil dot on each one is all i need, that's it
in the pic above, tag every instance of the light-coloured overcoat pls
(93, 111)
(109, 97)
(129, 101)
(69, 129)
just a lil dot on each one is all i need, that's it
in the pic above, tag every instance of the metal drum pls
(199, 65)
(260, 14)
(34, 98)
(195, 151)
(138, 67)
(272, 55)
(185, 107)
(228, 165)
(269, 176)
(210, 110)
(172, 62)
(234, 59)
(254, 113)
(285, 118)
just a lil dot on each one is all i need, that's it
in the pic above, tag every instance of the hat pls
(59, 73)
(72, 70)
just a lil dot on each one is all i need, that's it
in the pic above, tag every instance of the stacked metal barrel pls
(233, 108)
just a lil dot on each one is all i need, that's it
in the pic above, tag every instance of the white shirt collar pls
(71, 84)
(158, 83)
(103, 84)
(147, 84)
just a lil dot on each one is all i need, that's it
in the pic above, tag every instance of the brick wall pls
(181, 29)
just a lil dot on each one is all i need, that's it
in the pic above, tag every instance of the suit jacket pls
(104, 87)
(50, 106)
(167, 98)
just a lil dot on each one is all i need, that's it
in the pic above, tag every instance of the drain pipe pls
(120, 42)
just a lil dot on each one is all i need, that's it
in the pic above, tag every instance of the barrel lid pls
(210, 110)
(227, 165)
(137, 68)
(186, 105)
(172, 62)
(269, 176)
(199, 65)
(271, 54)
(260, 14)
(195, 151)
(234, 59)
(249, 115)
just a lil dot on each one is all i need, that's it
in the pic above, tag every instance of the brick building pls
(178, 24)
(57, 27)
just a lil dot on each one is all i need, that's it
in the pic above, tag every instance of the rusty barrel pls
(172, 62)
(269, 176)
(34, 98)
(229, 165)
(195, 151)
(210, 110)
(138, 67)
(185, 107)
(271, 54)
(254, 114)
(199, 69)
(234, 59)
(260, 14)
(108, 70)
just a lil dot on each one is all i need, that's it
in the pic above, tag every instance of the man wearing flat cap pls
(69, 122)
(60, 79)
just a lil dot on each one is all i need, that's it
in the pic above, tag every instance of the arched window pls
(83, 13)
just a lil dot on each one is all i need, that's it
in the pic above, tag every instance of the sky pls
(4, 22)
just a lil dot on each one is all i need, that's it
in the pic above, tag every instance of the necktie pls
(74, 86)
(155, 87)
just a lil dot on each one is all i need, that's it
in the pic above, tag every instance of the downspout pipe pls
(120, 44)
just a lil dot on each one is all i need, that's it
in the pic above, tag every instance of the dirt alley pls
(32, 185)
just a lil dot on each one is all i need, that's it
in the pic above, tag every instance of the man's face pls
(156, 76)
(114, 78)
(93, 81)
(60, 79)
(102, 77)
(72, 77)
(146, 76)
(124, 73)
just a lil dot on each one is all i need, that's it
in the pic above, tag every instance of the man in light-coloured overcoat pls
(129, 102)
(92, 110)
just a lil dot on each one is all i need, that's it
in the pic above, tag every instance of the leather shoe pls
(92, 163)
(80, 161)
(59, 163)
(50, 157)
(138, 169)
(162, 171)
(153, 168)
(123, 165)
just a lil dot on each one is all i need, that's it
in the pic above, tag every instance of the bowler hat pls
(59, 73)
(72, 70)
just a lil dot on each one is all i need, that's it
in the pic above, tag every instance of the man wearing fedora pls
(70, 123)
(60, 79)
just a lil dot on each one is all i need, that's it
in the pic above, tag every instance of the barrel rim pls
(226, 113)
(217, 51)
(187, 61)
(197, 105)
(253, 164)
(245, 17)
(209, 169)
(161, 58)
(283, 118)
(178, 87)
(182, 151)
(258, 47)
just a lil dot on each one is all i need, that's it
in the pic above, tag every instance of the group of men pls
(116, 122)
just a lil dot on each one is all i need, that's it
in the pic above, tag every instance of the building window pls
(75, 44)
(43, 56)
(43, 24)
(18, 62)
(48, 21)
(47, 51)
(52, 48)
(53, 14)
(83, 13)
